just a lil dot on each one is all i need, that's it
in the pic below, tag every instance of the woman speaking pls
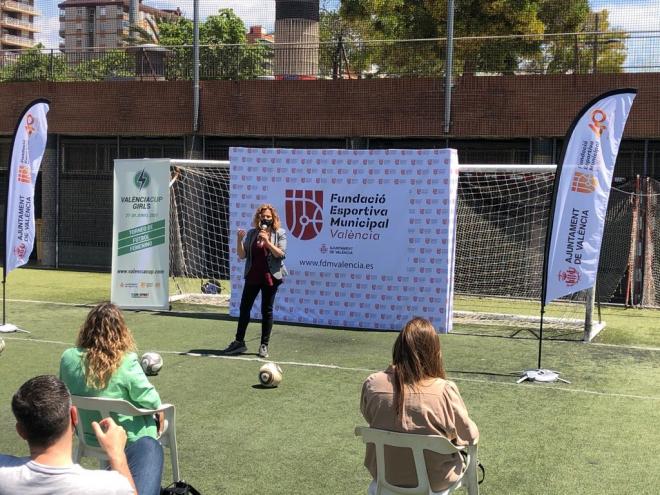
(263, 248)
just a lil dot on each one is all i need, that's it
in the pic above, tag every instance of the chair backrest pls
(105, 407)
(418, 444)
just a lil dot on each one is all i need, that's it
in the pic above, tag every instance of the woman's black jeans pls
(250, 292)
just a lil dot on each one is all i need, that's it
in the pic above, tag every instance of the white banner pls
(140, 234)
(370, 232)
(27, 151)
(584, 189)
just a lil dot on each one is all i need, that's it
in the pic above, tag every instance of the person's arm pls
(240, 247)
(112, 439)
(278, 250)
(363, 403)
(141, 392)
(465, 429)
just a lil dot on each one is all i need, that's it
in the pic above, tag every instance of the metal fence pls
(570, 53)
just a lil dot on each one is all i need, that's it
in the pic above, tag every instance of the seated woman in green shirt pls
(104, 364)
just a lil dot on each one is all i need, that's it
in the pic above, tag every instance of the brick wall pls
(498, 106)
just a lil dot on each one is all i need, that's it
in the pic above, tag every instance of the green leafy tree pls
(224, 52)
(107, 65)
(175, 32)
(474, 22)
(34, 65)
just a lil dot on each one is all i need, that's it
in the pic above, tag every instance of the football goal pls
(500, 238)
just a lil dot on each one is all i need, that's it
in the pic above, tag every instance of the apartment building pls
(105, 23)
(17, 28)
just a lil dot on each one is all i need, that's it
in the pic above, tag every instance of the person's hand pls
(264, 238)
(241, 235)
(111, 437)
(161, 422)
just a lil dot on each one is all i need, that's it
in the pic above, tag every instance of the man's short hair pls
(41, 406)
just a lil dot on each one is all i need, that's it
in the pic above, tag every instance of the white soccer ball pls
(151, 363)
(2, 345)
(270, 375)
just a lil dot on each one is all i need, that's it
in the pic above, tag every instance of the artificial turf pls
(596, 435)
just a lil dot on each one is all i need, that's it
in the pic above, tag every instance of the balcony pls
(18, 41)
(12, 23)
(12, 6)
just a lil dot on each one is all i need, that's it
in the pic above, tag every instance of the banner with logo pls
(582, 191)
(27, 151)
(140, 234)
(370, 232)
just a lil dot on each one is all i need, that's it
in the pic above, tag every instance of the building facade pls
(105, 23)
(17, 28)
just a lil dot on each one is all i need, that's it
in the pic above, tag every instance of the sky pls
(629, 15)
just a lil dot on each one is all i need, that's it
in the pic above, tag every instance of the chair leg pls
(174, 456)
(471, 480)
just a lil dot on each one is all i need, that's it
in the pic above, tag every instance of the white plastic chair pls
(418, 444)
(106, 406)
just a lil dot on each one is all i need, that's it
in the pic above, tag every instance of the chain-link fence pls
(573, 53)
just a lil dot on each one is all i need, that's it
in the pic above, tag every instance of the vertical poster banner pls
(370, 232)
(140, 234)
(27, 151)
(582, 193)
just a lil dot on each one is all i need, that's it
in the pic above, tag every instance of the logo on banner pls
(570, 276)
(584, 183)
(598, 117)
(20, 250)
(304, 213)
(141, 179)
(30, 123)
(24, 174)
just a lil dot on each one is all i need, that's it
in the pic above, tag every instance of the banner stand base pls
(541, 376)
(9, 328)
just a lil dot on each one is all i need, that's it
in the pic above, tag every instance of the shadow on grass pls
(484, 373)
(521, 334)
(214, 352)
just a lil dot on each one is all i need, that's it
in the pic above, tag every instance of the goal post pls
(199, 230)
(502, 216)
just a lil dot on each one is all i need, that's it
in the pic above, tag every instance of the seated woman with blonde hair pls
(104, 364)
(413, 396)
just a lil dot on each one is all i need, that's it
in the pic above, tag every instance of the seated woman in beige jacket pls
(413, 396)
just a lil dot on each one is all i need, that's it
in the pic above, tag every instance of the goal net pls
(199, 231)
(502, 218)
(500, 241)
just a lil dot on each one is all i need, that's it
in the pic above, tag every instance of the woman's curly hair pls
(256, 218)
(106, 339)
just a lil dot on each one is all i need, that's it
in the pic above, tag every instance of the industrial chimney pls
(297, 39)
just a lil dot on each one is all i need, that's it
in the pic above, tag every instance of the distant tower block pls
(296, 22)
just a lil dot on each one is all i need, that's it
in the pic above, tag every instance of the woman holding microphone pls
(263, 248)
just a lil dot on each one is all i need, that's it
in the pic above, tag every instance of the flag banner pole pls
(579, 204)
(27, 150)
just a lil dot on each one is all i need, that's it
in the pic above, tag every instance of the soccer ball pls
(151, 363)
(2, 345)
(270, 375)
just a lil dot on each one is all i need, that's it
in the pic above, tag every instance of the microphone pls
(262, 227)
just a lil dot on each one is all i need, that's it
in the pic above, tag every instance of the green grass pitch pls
(600, 434)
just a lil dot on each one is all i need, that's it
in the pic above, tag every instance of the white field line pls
(367, 370)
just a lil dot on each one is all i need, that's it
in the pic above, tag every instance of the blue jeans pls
(145, 461)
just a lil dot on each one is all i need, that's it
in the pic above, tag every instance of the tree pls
(474, 22)
(224, 52)
(34, 65)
